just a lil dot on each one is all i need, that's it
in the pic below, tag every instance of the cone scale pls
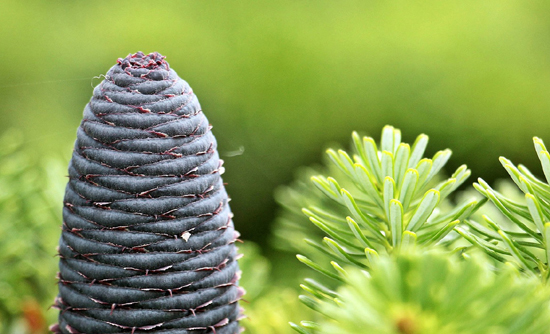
(147, 244)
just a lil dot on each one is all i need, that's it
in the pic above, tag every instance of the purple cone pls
(148, 242)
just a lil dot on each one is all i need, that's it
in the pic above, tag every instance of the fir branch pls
(522, 237)
(430, 292)
(374, 202)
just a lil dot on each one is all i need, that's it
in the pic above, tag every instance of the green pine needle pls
(431, 292)
(521, 237)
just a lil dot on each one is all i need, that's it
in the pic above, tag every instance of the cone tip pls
(152, 61)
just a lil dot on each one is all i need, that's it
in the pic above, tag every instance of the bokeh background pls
(279, 81)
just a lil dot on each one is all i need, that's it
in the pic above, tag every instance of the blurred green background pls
(280, 79)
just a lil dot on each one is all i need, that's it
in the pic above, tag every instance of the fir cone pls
(148, 242)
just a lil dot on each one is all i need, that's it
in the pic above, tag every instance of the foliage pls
(30, 207)
(522, 237)
(291, 225)
(389, 234)
(270, 313)
(431, 292)
(255, 269)
(268, 304)
(384, 199)
(391, 199)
